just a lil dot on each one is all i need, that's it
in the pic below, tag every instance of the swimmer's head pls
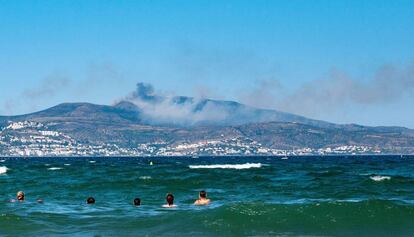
(20, 196)
(203, 194)
(90, 200)
(137, 202)
(170, 199)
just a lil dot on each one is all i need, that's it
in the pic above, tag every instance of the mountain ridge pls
(123, 129)
(248, 114)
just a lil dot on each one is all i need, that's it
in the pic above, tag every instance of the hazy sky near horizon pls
(339, 61)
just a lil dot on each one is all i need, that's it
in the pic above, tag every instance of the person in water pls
(137, 202)
(90, 200)
(20, 196)
(202, 199)
(170, 201)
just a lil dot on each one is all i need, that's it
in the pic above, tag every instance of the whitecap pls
(227, 166)
(378, 178)
(145, 177)
(353, 200)
(3, 169)
(55, 168)
(66, 164)
(2, 160)
(92, 161)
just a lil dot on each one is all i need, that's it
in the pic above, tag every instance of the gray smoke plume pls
(389, 84)
(145, 92)
(159, 108)
(48, 87)
(57, 84)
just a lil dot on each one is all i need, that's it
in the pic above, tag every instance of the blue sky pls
(340, 61)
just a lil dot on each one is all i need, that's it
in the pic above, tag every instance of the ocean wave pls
(55, 168)
(319, 201)
(66, 164)
(378, 178)
(145, 177)
(2, 160)
(92, 161)
(227, 166)
(3, 169)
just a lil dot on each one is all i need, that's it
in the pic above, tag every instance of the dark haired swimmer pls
(137, 202)
(90, 200)
(170, 201)
(202, 199)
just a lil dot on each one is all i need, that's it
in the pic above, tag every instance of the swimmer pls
(90, 200)
(20, 196)
(202, 199)
(170, 201)
(137, 202)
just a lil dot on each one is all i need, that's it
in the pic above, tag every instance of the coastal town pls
(28, 138)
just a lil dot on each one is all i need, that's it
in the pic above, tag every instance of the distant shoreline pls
(220, 156)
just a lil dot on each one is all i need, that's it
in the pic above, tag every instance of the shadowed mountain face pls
(127, 125)
(83, 112)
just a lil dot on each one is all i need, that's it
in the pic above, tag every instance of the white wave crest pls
(92, 161)
(227, 166)
(3, 169)
(66, 164)
(378, 178)
(145, 177)
(55, 168)
(2, 160)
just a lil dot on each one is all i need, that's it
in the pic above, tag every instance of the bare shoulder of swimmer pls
(202, 202)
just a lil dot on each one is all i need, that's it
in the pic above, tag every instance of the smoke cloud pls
(47, 88)
(57, 86)
(162, 108)
(388, 84)
(50, 86)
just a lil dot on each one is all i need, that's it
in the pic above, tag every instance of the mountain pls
(202, 126)
(231, 113)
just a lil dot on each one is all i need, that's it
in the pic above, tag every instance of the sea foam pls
(54, 168)
(227, 166)
(145, 177)
(378, 178)
(3, 169)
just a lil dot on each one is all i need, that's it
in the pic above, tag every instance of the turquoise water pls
(299, 196)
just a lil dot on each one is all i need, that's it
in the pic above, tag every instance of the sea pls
(250, 196)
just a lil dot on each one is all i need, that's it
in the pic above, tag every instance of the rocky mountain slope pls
(124, 129)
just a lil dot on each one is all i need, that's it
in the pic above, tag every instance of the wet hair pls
(20, 195)
(170, 199)
(137, 202)
(90, 200)
(203, 194)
